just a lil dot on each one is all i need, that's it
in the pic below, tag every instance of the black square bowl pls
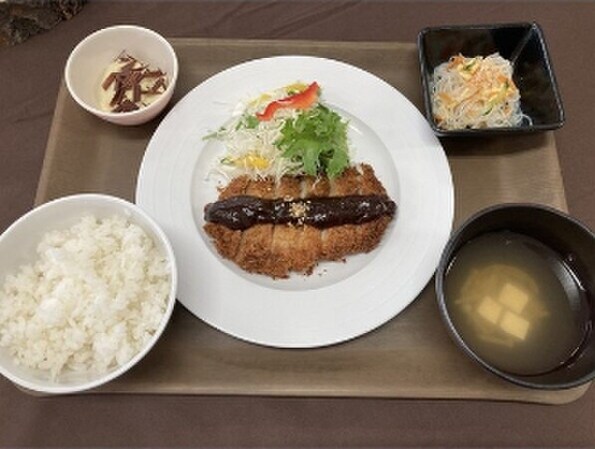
(522, 44)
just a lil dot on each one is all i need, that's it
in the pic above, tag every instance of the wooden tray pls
(411, 356)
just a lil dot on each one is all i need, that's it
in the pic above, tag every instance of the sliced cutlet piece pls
(227, 241)
(311, 239)
(339, 241)
(315, 187)
(237, 186)
(286, 251)
(371, 233)
(369, 183)
(254, 253)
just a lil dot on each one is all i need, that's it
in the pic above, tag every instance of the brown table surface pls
(31, 74)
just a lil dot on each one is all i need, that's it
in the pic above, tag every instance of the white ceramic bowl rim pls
(62, 389)
(81, 44)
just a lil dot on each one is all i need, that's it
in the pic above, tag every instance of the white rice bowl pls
(87, 285)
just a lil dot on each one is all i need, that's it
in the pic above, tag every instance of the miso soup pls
(516, 303)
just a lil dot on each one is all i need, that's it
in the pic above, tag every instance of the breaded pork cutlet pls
(256, 245)
(227, 241)
(276, 250)
(287, 254)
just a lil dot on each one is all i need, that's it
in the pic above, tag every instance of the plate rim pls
(440, 156)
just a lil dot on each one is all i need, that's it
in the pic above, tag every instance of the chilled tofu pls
(514, 325)
(489, 309)
(513, 298)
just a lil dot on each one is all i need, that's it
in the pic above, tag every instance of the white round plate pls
(339, 301)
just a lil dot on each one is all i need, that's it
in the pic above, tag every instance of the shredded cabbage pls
(310, 141)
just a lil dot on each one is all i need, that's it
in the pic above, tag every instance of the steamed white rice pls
(89, 303)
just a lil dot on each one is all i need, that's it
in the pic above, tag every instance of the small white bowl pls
(18, 247)
(88, 61)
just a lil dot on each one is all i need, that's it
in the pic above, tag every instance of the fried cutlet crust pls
(286, 255)
(255, 249)
(227, 241)
(278, 250)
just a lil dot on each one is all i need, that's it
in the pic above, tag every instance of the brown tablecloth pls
(29, 82)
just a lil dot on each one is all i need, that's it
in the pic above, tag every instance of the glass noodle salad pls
(475, 93)
(285, 131)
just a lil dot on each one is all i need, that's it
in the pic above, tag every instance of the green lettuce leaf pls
(317, 139)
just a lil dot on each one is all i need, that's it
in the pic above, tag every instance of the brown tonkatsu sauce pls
(244, 211)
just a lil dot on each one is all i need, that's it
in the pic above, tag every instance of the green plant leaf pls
(317, 139)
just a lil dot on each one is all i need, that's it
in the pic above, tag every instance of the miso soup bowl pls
(565, 235)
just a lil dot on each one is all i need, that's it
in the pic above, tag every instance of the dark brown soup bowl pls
(572, 241)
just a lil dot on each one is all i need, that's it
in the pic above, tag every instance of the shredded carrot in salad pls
(475, 93)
